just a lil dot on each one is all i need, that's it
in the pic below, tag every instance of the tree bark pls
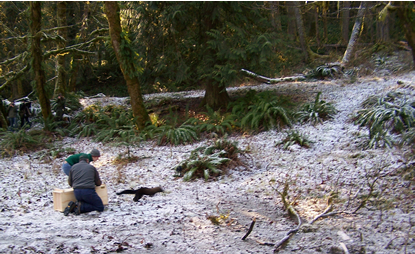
(76, 57)
(406, 16)
(275, 16)
(300, 30)
(345, 15)
(60, 85)
(36, 51)
(128, 69)
(291, 26)
(355, 35)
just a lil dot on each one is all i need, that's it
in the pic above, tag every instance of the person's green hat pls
(95, 153)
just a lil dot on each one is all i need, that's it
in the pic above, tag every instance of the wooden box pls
(61, 197)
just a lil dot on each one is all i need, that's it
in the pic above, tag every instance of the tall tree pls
(37, 58)
(60, 85)
(345, 17)
(125, 54)
(355, 34)
(300, 29)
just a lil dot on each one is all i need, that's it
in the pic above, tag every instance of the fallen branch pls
(291, 212)
(323, 214)
(250, 229)
(271, 80)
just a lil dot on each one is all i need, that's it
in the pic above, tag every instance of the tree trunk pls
(345, 22)
(291, 26)
(300, 30)
(275, 16)
(355, 35)
(216, 97)
(128, 69)
(60, 85)
(39, 74)
(406, 16)
(76, 57)
(325, 9)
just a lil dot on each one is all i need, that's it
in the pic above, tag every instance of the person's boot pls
(78, 208)
(69, 208)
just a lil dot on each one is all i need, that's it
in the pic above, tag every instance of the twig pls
(250, 229)
(328, 209)
(343, 246)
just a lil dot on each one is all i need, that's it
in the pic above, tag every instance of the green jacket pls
(73, 159)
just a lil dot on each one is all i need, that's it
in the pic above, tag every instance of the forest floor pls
(213, 216)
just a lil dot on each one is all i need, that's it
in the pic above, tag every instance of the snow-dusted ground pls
(176, 221)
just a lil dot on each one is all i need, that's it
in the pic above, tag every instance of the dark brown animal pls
(141, 192)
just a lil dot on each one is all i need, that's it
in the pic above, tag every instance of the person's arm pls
(97, 179)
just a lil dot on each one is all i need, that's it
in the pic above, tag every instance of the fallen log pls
(272, 80)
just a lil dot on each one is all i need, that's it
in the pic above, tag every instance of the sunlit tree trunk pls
(60, 85)
(355, 35)
(36, 51)
(112, 12)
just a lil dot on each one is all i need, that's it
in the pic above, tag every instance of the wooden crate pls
(61, 197)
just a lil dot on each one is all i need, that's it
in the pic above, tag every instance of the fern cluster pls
(385, 114)
(213, 122)
(209, 161)
(295, 137)
(317, 111)
(262, 111)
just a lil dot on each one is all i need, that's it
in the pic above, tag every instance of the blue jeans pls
(13, 122)
(66, 167)
(90, 201)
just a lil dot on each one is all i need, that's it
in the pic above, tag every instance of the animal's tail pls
(126, 192)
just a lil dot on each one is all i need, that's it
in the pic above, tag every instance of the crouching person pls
(83, 178)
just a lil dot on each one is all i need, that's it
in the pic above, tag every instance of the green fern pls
(169, 134)
(393, 112)
(294, 137)
(261, 111)
(213, 122)
(11, 142)
(317, 111)
(203, 166)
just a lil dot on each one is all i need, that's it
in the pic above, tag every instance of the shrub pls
(213, 122)
(385, 114)
(294, 137)
(262, 111)
(317, 111)
(209, 161)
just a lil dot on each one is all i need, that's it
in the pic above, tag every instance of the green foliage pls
(213, 122)
(21, 140)
(262, 111)
(294, 137)
(170, 134)
(106, 124)
(324, 71)
(393, 112)
(317, 111)
(210, 161)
